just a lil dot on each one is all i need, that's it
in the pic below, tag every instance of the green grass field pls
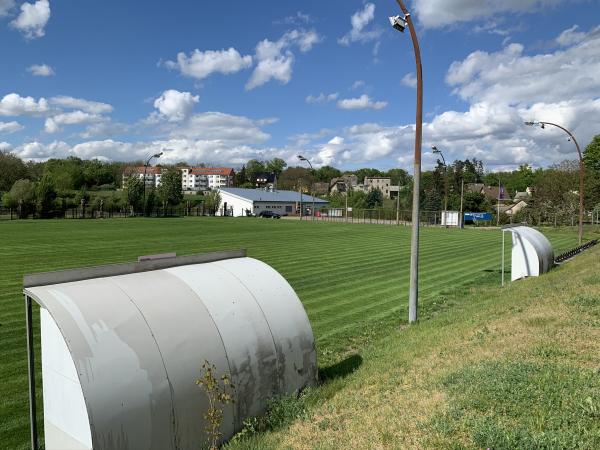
(352, 279)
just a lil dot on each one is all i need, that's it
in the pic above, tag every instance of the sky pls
(220, 83)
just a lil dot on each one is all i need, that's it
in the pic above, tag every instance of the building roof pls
(474, 187)
(150, 170)
(521, 196)
(266, 177)
(495, 193)
(223, 171)
(260, 195)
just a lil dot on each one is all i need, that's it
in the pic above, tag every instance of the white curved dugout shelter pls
(123, 345)
(532, 253)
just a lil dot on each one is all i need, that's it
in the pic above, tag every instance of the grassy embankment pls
(352, 279)
(512, 368)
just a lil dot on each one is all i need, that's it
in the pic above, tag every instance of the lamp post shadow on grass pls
(340, 369)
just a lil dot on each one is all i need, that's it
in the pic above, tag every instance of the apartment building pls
(193, 179)
(152, 175)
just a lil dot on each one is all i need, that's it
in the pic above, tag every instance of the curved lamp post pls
(302, 158)
(146, 164)
(581, 169)
(400, 23)
(438, 151)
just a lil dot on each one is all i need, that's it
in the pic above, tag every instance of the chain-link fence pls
(99, 213)
(382, 216)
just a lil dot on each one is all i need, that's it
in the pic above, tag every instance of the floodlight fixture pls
(542, 125)
(398, 22)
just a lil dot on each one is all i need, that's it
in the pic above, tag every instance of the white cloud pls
(362, 102)
(438, 13)
(202, 64)
(92, 107)
(41, 70)
(225, 128)
(175, 105)
(275, 60)
(509, 76)
(33, 19)
(490, 128)
(105, 128)
(38, 151)
(10, 127)
(305, 40)
(358, 84)
(409, 80)
(360, 31)
(330, 153)
(15, 105)
(53, 124)
(5, 147)
(210, 137)
(571, 36)
(6, 6)
(322, 98)
(297, 19)
(175, 150)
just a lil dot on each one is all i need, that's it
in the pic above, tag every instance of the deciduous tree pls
(591, 154)
(170, 190)
(134, 189)
(11, 170)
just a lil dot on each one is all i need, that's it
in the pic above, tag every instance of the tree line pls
(71, 182)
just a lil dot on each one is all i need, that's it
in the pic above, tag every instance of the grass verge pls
(508, 368)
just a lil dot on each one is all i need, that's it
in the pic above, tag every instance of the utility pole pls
(346, 201)
(300, 192)
(400, 24)
(498, 206)
(462, 194)
(398, 206)
(438, 151)
(157, 155)
(312, 193)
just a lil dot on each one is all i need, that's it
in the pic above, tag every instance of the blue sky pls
(223, 82)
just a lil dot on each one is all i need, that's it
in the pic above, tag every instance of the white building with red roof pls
(193, 179)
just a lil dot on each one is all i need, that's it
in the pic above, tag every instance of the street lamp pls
(146, 164)
(438, 151)
(581, 169)
(400, 23)
(302, 158)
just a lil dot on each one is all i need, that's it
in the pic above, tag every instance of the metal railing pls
(574, 252)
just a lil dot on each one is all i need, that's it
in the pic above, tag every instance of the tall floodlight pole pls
(498, 204)
(312, 194)
(146, 164)
(462, 194)
(300, 192)
(581, 169)
(438, 151)
(400, 23)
